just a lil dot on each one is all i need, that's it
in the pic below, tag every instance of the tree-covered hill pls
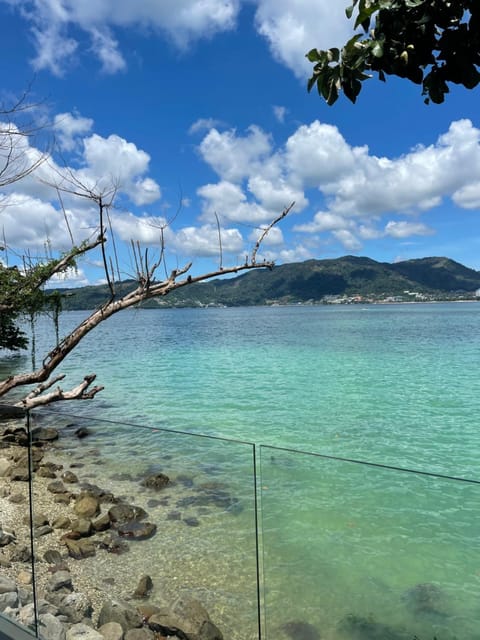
(310, 281)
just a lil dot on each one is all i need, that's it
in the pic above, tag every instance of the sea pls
(324, 462)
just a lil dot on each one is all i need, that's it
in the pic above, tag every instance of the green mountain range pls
(347, 279)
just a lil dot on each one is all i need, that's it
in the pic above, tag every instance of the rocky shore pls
(73, 520)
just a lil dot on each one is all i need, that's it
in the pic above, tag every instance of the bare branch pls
(80, 392)
(284, 213)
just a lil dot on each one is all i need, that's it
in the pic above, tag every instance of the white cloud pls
(68, 127)
(405, 229)
(204, 242)
(234, 157)
(348, 240)
(228, 201)
(280, 113)
(106, 49)
(54, 24)
(114, 160)
(204, 124)
(293, 27)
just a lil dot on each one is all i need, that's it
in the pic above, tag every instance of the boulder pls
(44, 434)
(20, 474)
(137, 530)
(139, 634)
(56, 486)
(122, 513)
(7, 585)
(69, 477)
(187, 617)
(82, 631)
(50, 627)
(78, 549)
(156, 481)
(111, 631)
(60, 580)
(87, 506)
(8, 600)
(121, 612)
(144, 587)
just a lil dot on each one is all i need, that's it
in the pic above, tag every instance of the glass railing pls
(143, 526)
(363, 552)
(194, 536)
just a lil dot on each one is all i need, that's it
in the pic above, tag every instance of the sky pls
(196, 113)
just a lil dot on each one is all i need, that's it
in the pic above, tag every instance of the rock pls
(156, 481)
(187, 617)
(121, 612)
(46, 472)
(50, 627)
(21, 554)
(63, 498)
(62, 522)
(137, 530)
(39, 520)
(10, 412)
(82, 432)
(123, 513)
(60, 580)
(139, 634)
(111, 631)
(87, 506)
(38, 532)
(56, 486)
(69, 477)
(24, 577)
(6, 537)
(7, 585)
(77, 607)
(44, 434)
(425, 599)
(82, 527)
(144, 587)
(102, 523)
(20, 474)
(78, 549)
(17, 498)
(8, 600)
(5, 467)
(147, 610)
(114, 544)
(52, 556)
(360, 628)
(191, 522)
(82, 631)
(300, 630)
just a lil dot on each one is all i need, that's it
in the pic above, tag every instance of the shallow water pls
(345, 545)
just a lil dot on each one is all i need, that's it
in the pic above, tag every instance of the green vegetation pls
(347, 279)
(429, 42)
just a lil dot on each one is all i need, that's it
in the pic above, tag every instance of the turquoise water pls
(347, 547)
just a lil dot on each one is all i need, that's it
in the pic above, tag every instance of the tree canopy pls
(429, 42)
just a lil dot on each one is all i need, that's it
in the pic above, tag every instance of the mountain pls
(312, 281)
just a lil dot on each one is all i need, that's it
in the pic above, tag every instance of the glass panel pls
(16, 564)
(175, 507)
(358, 552)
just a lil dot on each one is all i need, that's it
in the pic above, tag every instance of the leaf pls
(313, 55)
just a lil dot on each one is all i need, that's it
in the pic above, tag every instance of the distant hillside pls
(311, 281)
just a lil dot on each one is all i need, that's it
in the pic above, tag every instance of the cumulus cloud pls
(233, 157)
(405, 229)
(293, 27)
(69, 127)
(357, 189)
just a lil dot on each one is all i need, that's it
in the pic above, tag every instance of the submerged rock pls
(300, 630)
(425, 599)
(361, 628)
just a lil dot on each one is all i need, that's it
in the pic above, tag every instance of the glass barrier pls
(17, 606)
(144, 527)
(353, 551)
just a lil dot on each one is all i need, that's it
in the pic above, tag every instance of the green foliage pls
(429, 42)
(305, 281)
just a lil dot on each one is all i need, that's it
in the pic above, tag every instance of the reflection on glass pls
(149, 519)
(358, 552)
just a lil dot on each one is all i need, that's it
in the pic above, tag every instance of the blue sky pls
(204, 103)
